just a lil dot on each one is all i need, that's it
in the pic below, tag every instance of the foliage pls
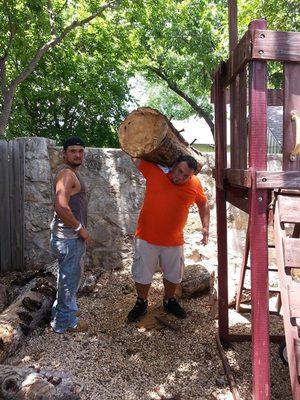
(180, 40)
(80, 87)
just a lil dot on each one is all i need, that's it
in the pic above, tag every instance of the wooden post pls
(221, 161)
(238, 100)
(258, 227)
(232, 23)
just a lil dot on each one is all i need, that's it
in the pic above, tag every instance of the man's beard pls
(75, 164)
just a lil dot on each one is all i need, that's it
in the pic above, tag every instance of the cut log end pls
(146, 133)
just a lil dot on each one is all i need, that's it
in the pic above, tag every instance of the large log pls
(146, 133)
(26, 312)
(28, 384)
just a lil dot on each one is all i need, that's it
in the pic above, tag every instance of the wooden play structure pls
(245, 181)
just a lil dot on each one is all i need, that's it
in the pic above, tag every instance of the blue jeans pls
(69, 253)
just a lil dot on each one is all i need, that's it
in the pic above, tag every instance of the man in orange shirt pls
(159, 233)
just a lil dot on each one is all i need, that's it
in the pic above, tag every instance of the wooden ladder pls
(241, 286)
(287, 244)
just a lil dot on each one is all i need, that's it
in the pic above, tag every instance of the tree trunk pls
(26, 313)
(6, 110)
(27, 384)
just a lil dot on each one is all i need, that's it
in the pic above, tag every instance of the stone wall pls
(115, 192)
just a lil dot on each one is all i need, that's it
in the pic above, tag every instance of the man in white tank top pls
(69, 236)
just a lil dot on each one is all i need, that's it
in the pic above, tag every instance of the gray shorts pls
(146, 257)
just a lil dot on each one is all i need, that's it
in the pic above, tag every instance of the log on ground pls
(27, 384)
(26, 313)
(196, 281)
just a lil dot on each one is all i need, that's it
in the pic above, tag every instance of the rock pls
(221, 381)
(88, 284)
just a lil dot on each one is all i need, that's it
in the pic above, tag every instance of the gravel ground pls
(117, 360)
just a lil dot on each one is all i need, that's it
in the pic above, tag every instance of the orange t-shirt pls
(166, 206)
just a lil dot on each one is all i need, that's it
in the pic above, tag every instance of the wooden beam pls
(221, 160)
(241, 203)
(238, 58)
(238, 177)
(245, 337)
(233, 25)
(270, 180)
(258, 227)
(227, 369)
(275, 97)
(275, 45)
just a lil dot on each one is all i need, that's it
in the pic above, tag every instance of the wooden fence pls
(12, 182)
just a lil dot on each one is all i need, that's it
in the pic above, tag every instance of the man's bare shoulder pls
(66, 175)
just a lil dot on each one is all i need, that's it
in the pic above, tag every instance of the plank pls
(238, 123)
(289, 209)
(239, 177)
(297, 353)
(5, 254)
(293, 291)
(237, 200)
(276, 45)
(270, 180)
(239, 57)
(274, 96)
(220, 128)
(291, 252)
(17, 204)
(291, 102)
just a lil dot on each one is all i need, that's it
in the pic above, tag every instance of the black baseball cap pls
(73, 141)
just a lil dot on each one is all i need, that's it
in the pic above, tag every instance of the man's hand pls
(85, 236)
(205, 234)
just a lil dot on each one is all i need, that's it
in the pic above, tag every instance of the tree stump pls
(196, 280)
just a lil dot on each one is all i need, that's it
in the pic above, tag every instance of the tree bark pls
(6, 109)
(27, 384)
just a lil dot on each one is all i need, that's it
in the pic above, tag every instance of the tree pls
(35, 28)
(184, 41)
(180, 45)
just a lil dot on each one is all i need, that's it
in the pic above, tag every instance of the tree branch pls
(10, 91)
(51, 18)
(55, 41)
(11, 30)
(3, 77)
(6, 51)
(63, 7)
(173, 86)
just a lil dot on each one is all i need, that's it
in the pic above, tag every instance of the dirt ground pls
(117, 360)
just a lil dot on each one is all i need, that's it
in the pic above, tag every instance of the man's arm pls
(204, 213)
(63, 190)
